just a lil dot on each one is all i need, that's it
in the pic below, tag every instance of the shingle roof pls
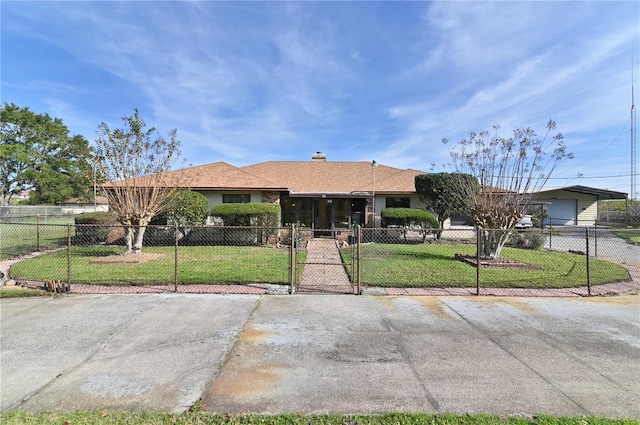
(220, 175)
(216, 176)
(297, 177)
(312, 177)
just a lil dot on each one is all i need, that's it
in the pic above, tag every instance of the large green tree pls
(440, 192)
(37, 154)
(136, 161)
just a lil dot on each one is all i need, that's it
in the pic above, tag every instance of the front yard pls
(197, 264)
(434, 265)
(383, 265)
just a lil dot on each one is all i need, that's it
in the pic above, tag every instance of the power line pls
(583, 177)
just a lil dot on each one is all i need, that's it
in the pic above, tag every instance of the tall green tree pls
(136, 161)
(440, 192)
(37, 154)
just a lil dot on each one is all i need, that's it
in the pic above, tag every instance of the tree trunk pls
(139, 236)
(134, 236)
(128, 237)
(438, 234)
(491, 242)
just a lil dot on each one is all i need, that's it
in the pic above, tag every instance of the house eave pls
(330, 194)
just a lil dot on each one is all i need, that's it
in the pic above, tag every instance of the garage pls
(562, 212)
(573, 205)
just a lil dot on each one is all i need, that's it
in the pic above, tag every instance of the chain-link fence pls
(396, 260)
(562, 261)
(36, 213)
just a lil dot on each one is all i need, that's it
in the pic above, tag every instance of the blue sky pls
(246, 82)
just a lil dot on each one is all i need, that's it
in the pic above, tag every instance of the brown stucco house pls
(317, 193)
(322, 194)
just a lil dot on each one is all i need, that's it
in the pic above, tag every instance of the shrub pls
(264, 216)
(97, 227)
(186, 208)
(526, 240)
(408, 216)
(220, 235)
(99, 217)
(247, 214)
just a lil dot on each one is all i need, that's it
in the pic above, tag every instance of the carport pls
(574, 205)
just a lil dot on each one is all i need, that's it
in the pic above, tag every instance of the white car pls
(525, 222)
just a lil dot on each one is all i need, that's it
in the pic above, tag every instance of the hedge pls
(97, 227)
(407, 216)
(264, 216)
(247, 214)
(99, 217)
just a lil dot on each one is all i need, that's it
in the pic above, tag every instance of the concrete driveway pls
(602, 244)
(316, 354)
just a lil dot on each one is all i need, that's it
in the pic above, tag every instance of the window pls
(236, 199)
(398, 202)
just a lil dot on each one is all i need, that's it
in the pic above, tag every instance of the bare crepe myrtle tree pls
(136, 162)
(510, 172)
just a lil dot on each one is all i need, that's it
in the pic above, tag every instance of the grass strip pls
(200, 418)
(632, 236)
(20, 292)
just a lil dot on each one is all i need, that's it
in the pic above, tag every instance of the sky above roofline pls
(248, 82)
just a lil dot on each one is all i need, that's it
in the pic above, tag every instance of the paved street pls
(325, 353)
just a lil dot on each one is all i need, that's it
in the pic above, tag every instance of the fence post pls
(292, 260)
(478, 245)
(588, 265)
(595, 240)
(359, 259)
(37, 232)
(175, 259)
(68, 255)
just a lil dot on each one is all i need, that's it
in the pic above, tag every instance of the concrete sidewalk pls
(316, 354)
(324, 270)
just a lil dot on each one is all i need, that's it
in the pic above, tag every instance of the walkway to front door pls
(324, 271)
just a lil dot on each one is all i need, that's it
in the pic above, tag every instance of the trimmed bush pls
(407, 217)
(248, 214)
(185, 207)
(99, 217)
(97, 227)
(264, 217)
(526, 240)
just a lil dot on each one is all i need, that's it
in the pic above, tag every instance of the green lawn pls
(201, 418)
(630, 235)
(433, 265)
(197, 264)
(25, 238)
(385, 265)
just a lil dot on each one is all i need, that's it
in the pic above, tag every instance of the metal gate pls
(329, 264)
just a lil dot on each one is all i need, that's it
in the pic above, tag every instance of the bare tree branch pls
(137, 163)
(511, 171)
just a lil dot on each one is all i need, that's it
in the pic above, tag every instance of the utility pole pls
(634, 143)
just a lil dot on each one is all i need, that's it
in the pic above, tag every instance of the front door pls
(322, 216)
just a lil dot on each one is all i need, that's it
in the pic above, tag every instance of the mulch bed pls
(505, 263)
(141, 257)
